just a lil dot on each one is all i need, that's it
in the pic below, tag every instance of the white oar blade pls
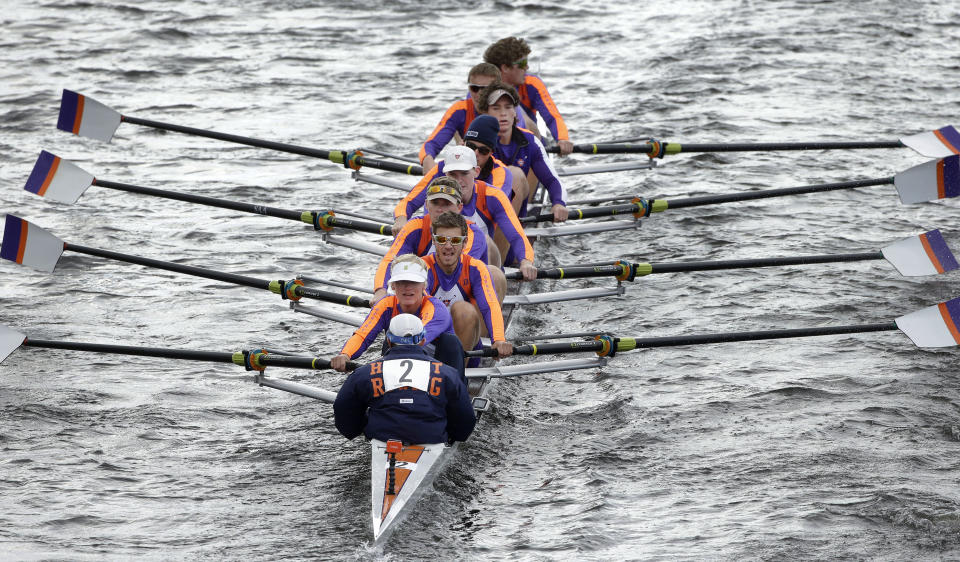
(937, 179)
(10, 340)
(934, 326)
(87, 117)
(58, 179)
(926, 254)
(30, 245)
(935, 144)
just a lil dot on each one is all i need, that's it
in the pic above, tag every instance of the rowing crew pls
(472, 200)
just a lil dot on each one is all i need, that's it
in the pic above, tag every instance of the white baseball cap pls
(408, 271)
(406, 329)
(459, 158)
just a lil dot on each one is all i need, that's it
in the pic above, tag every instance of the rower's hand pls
(339, 362)
(566, 147)
(377, 295)
(428, 162)
(560, 213)
(528, 270)
(398, 224)
(504, 349)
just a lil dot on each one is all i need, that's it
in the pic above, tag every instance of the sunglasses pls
(475, 88)
(453, 240)
(443, 189)
(522, 63)
(481, 148)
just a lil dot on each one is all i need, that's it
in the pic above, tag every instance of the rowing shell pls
(416, 466)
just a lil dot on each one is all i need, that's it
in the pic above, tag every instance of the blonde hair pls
(409, 258)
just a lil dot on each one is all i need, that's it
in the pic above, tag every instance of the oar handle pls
(607, 148)
(409, 169)
(297, 362)
(637, 208)
(578, 272)
(327, 220)
(329, 296)
(541, 349)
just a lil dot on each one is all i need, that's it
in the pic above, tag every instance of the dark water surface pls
(839, 447)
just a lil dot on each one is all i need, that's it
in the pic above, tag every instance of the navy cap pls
(484, 128)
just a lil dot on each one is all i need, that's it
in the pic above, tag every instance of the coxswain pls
(443, 195)
(464, 285)
(492, 171)
(510, 56)
(490, 209)
(405, 395)
(408, 281)
(521, 148)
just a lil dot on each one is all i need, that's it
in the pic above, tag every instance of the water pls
(839, 447)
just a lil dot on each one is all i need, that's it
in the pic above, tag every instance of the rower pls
(405, 395)
(481, 138)
(458, 117)
(490, 208)
(510, 56)
(492, 171)
(415, 237)
(522, 148)
(465, 286)
(409, 279)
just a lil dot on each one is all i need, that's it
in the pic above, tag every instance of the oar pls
(89, 118)
(925, 254)
(934, 326)
(937, 179)
(935, 144)
(27, 244)
(251, 360)
(61, 180)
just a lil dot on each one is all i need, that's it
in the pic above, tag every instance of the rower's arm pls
(375, 322)
(452, 121)
(506, 219)
(546, 174)
(405, 243)
(485, 297)
(541, 100)
(414, 200)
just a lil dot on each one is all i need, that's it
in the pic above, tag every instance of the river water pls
(834, 447)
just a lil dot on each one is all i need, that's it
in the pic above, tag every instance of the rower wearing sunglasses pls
(481, 138)
(509, 55)
(520, 147)
(465, 286)
(492, 171)
(458, 117)
(443, 195)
